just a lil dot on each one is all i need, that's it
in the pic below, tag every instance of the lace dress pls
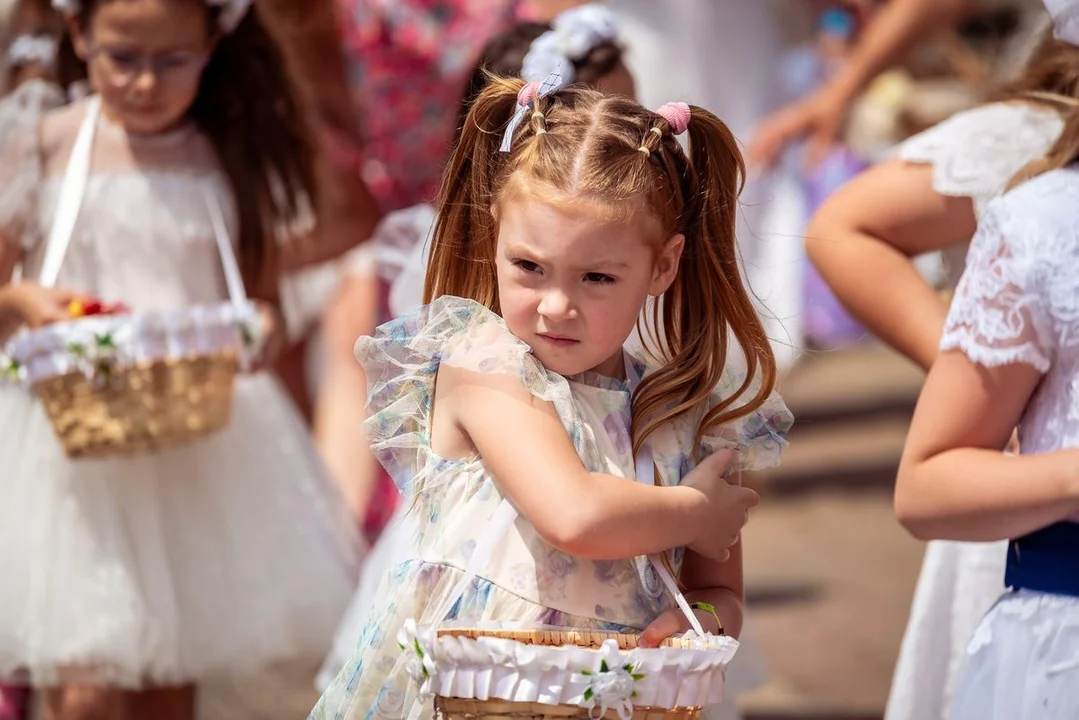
(1018, 302)
(452, 501)
(171, 567)
(974, 154)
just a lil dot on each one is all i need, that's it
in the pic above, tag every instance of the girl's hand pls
(273, 336)
(672, 623)
(37, 306)
(728, 505)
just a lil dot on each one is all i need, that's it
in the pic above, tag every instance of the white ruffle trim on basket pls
(489, 668)
(78, 345)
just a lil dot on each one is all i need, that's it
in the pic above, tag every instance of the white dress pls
(167, 568)
(1018, 302)
(974, 154)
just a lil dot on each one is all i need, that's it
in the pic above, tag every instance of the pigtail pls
(462, 250)
(708, 298)
(713, 282)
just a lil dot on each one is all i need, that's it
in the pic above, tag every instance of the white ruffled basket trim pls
(141, 337)
(490, 668)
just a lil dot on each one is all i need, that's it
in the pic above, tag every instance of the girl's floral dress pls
(452, 501)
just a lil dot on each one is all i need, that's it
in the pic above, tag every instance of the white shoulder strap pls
(72, 189)
(233, 279)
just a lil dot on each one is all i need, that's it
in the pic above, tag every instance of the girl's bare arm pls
(862, 241)
(955, 483)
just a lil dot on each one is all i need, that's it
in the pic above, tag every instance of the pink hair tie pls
(528, 93)
(677, 115)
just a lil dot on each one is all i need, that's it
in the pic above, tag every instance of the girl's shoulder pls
(402, 361)
(58, 128)
(1024, 258)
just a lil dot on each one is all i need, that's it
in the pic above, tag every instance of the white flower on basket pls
(612, 686)
(10, 369)
(416, 644)
(97, 358)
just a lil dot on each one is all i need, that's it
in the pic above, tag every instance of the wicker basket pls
(144, 407)
(454, 708)
(457, 709)
(120, 385)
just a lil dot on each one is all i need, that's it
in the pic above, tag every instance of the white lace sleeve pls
(1001, 314)
(976, 153)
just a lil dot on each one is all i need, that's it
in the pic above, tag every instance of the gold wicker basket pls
(448, 708)
(146, 406)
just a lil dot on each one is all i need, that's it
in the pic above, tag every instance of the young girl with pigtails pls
(563, 212)
(129, 579)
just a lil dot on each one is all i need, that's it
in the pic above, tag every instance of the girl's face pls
(145, 58)
(572, 284)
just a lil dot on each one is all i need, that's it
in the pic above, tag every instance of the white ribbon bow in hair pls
(1065, 19)
(573, 35)
(32, 48)
(232, 11)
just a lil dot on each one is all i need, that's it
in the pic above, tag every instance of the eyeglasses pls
(124, 66)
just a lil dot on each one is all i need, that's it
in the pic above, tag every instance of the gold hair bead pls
(541, 131)
(646, 151)
(657, 130)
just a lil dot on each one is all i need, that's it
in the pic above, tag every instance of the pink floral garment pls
(408, 62)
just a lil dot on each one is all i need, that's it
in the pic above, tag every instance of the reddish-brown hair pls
(581, 144)
(1051, 78)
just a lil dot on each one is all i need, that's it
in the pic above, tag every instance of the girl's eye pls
(599, 278)
(527, 266)
(176, 61)
(122, 58)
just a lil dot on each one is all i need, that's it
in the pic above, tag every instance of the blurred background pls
(830, 573)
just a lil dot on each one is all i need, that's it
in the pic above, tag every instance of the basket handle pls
(505, 515)
(73, 190)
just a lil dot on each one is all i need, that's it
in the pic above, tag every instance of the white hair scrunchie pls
(573, 35)
(232, 11)
(1065, 19)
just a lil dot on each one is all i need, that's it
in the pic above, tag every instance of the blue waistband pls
(1046, 561)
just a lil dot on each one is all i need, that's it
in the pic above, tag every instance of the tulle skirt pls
(958, 584)
(1023, 662)
(215, 558)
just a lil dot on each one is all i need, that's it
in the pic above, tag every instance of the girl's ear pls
(79, 40)
(670, 257)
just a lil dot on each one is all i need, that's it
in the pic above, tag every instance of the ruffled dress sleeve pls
(977, 152)
(402, 361)
(21, 168)
(758, 438)
(1017, 267)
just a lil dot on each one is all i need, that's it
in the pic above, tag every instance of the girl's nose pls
(556, 305)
